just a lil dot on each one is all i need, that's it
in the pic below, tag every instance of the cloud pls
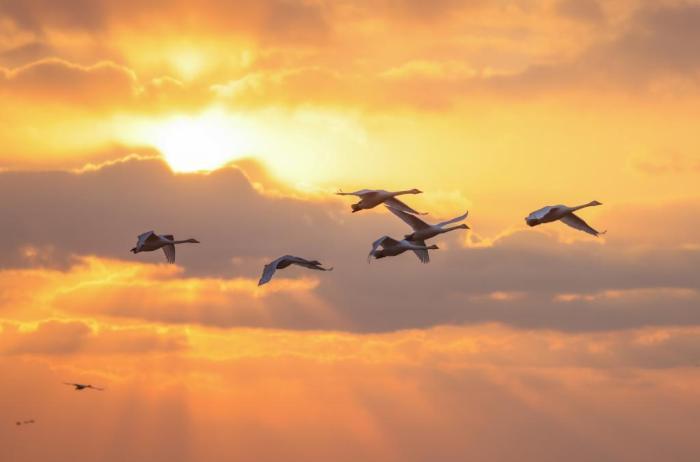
(471, 387)
(69, 215)
(581, 10)
(76, 337)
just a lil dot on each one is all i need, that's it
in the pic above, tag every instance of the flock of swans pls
(385, 246)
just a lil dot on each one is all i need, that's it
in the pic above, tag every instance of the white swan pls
(150, 241)
(285, 261)
(391, 247)
(370, 198)
(422, 230)
(565, 214)
(81, 387)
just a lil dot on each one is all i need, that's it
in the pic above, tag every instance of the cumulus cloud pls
(71, 214)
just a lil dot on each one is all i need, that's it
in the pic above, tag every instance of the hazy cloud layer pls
(324, 396)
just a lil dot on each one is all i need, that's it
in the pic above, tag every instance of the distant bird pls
(370, 198)
(285, 261)
(150, 241)
(81, 387)
(422, 230)
(391, 247)
(24, 422)
(564, 214)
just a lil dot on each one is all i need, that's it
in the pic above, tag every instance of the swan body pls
(370, 198)
(285, 261)
(150, 241)
(81, 386)
(391, 247)
(565, 214)
(422, 230)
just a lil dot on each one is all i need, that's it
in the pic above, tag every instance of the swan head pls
(416, 191)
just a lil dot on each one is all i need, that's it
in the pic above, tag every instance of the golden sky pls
(235, 121)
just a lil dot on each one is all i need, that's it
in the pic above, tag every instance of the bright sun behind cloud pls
(202, 142)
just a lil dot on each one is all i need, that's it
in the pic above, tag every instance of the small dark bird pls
(24, 422)
(81, 387)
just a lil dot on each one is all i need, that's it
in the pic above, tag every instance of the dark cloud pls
(93, 213)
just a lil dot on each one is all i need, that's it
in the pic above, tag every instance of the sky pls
(234, 122)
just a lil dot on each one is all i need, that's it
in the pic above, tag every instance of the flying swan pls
(565, 214)
(391, 247)
(81, 387)
(422, 230)
(150, 241)
(285, 261)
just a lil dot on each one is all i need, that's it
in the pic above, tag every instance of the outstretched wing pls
(542, 213)
(361, 192)
(269, 271)
(384, 241)
(411, 220)
(422, 254)
(394, 203)
(577, 223)
(169, 251)
(147, 236)
(314, 265)
(454, 220)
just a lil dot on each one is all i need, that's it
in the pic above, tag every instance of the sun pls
(203, 142)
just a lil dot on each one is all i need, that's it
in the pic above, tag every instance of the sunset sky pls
(234, 122)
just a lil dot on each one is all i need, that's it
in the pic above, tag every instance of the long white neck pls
(401, 193)
(590, 204)
(452, 228)
(184, 241)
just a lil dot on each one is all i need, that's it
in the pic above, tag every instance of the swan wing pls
(422, 254)
(270, 268)
(454, 220)
(147, 236)
(541, 213)
(314, 265)
(169, 251)
(384, 241)
(394, 203)
(577, 223)
(411, 220)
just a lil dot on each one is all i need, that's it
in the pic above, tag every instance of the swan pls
(391, 248)
(81, 387)
(370, 198)
(565, 214)
(422, 230)
(150, 241)
(285, 261)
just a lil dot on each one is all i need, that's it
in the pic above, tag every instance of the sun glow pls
(203, 142)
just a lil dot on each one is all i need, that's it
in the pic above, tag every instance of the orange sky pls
(234, 121)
